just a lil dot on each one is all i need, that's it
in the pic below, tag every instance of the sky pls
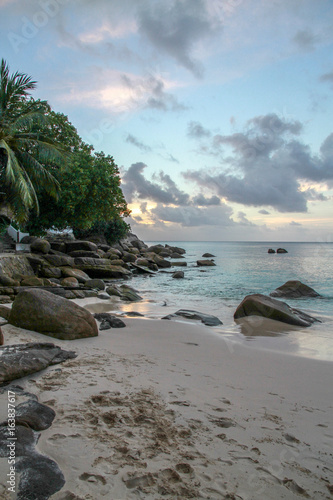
(218, 113)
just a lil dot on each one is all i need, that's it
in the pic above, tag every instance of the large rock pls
(205, 263)
(40, 246)
(96, 284)
(132, 240)
(71, 246)
(32, 281)
(50, 272)
(207, 319)
(100, 268)
(71, 282)
(294, 290)
(261, 305)
(128, 293)
(36, 415)
(176, 249)
(69, 272)
(47, 313)
(5, 281)
(281, 250)
(59, 260)
(84, 253)
(161, 262)
(20, 360)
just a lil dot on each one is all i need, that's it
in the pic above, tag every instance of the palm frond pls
(39, 175)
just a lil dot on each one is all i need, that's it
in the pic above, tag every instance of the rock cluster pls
(38, 475)
(77, 269)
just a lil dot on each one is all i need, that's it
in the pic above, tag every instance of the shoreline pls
(258, 333)
(164, 409)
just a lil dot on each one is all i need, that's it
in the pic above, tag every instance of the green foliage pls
(90, 194)
(113, 230)
(50, 178)
(25, 151)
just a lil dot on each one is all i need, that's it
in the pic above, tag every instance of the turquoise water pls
(241, 269)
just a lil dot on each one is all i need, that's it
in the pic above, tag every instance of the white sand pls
(163, 409)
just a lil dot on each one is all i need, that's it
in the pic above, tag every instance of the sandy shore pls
(164, 409)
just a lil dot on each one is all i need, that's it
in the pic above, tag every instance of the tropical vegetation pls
(49, 177)
(24, 150)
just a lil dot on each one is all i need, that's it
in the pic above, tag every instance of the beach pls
(171, 409)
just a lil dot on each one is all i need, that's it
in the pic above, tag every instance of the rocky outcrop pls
(294, 289)
(15, 265)
(206, 319)
(72, 246)
(100, 268)
(206, 255)
(20, 360)
(261, 305)
(281, 250)
(271, 250)
(84, 261)
(36, 476)
(46, 313)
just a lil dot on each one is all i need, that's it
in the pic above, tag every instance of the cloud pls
(263, 212)
(152, 91)
(194, 216)
(138, 144)
(306, 40)
(176, 27)
(243, 220)
(119, 92)
(136, 186)
(196, 131)
(327, 77)
(202, 201)
(294, 223)
(266, 166)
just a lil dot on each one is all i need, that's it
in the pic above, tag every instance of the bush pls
(113, 230)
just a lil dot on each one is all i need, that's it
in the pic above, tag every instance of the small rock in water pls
(178, 275)
(206, 319)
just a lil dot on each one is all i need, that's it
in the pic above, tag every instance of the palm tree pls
(24, 149)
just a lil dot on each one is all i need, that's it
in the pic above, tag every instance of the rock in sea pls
(294, 289)
(206, 319)
(261, 305)
(205, 263)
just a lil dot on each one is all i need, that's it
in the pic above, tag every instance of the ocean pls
(244, 268)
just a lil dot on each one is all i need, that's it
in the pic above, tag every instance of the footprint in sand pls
(224, 423)
(92, 478)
